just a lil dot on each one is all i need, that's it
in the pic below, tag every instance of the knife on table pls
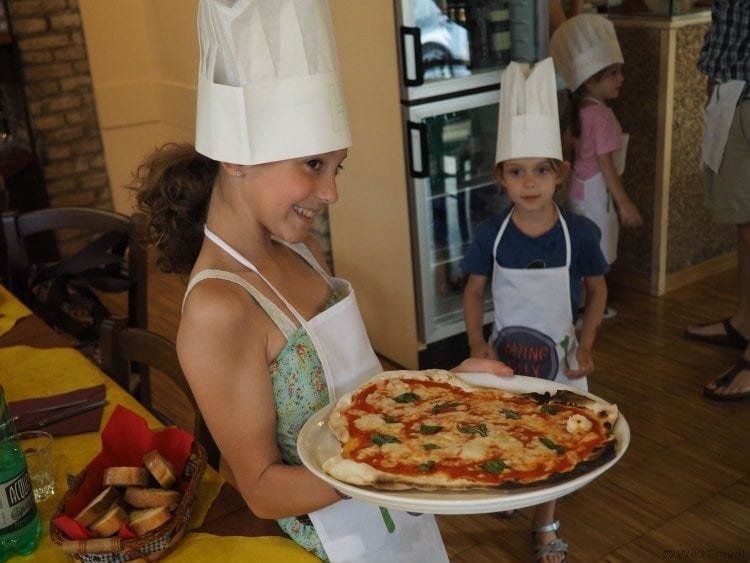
(50, 408)
(64, 415)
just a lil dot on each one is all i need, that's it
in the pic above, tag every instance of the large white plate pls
(316, 443)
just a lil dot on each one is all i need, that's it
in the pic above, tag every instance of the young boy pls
(536, 258)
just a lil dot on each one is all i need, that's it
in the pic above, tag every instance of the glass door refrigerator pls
(451, 57)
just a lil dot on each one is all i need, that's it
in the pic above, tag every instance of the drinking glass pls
(37, 447)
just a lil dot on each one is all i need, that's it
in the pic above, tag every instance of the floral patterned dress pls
(299, 389)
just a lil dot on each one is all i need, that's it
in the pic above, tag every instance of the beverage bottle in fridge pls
(500, 34)
(20, 524)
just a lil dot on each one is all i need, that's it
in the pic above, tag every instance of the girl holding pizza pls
(267, 336)
(535, 257)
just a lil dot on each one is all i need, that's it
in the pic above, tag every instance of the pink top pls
(600, 134)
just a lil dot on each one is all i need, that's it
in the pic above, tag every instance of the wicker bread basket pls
(150, 546)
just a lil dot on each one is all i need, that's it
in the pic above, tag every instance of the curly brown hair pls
(173, 185)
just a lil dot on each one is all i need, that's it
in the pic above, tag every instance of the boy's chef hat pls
(528, 124)
(268, 82)
(582, 46)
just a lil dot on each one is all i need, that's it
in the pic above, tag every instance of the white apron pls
(717, 120)
(595, 201)
(533, 331)
(353, 530)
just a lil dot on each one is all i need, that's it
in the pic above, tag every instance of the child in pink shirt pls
(586, 53)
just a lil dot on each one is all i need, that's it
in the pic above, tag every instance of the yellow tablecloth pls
(31, 372)
(27, 372)
(11, 310)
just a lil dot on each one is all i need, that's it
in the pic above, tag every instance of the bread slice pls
(142, 521)
(97, 507)
(149, 497)
(110, 522)
(160, 468)
(124, 476)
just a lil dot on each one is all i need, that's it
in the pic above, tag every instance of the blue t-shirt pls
(518, 250)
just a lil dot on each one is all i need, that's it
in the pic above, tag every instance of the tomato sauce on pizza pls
(431, 430)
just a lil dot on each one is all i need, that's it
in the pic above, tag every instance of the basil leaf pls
(406, 398)
(510, 414)
(430, 446)
(494, 466)
(541, 398)
(442, 407)
(480, 429)
(380, 439)
(551, 445)
(426, 466)
(426, 429)
(389, 419)
(550, 409)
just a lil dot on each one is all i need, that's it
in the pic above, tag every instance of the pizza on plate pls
(431, 430)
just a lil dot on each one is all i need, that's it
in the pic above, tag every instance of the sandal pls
(554, 546)
(727, 379)
(731, 336)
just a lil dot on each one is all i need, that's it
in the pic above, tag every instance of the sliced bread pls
(97, 507)
(160, 468)
(142, 521)
(110, 522)
(149, 497)
(124, 476)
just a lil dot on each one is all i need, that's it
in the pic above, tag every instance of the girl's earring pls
(238, 173)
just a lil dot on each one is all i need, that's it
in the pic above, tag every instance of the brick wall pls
(61, 102)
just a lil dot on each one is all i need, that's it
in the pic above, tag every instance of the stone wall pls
(60, 101)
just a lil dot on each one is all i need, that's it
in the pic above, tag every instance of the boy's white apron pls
(533, 317)
(353, 530)
(595, 202)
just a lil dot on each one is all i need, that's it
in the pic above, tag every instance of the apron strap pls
(280, 319)
(563, 224)
(221, 243)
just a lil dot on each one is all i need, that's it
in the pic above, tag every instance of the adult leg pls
(735, 382)
(727, 194)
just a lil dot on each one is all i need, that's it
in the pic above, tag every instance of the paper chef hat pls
(268, 82)
(582, 46)
(528, 125)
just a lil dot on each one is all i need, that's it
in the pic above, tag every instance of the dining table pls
(37, 362)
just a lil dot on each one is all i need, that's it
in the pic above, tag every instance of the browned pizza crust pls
(359, 473)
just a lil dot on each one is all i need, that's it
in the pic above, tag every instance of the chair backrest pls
(122, 346)
(18, 228)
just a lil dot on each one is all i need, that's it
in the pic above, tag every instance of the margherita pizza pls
(431, 430)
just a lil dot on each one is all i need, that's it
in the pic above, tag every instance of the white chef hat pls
(268, 82)
(582, 46)
(528, 125)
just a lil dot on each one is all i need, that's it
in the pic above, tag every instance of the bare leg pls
(545, 514)
(741, 320)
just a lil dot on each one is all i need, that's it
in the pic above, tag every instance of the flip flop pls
(731, 336)
(726, 379)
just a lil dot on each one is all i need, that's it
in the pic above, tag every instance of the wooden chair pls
(20, 229)
(122, 346)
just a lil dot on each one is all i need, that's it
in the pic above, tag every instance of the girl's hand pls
(483, 365)
(629, 214)
(585, 364)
